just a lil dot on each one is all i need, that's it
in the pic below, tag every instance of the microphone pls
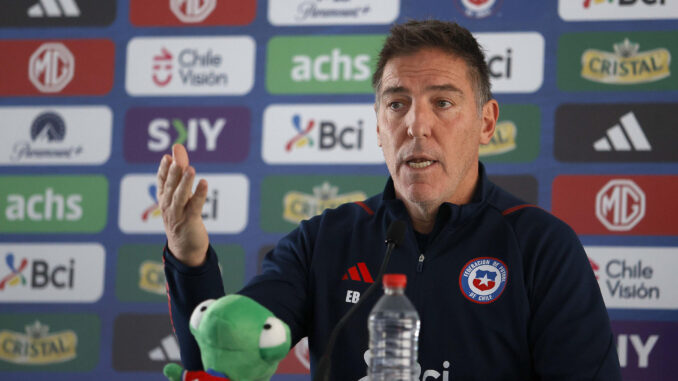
(394, 237)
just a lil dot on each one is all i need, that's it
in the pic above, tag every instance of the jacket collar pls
(449, 214)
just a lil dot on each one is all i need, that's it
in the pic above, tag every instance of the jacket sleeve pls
(283, 285)
(569, 330)
(186, 288)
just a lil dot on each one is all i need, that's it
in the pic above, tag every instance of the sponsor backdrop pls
(272, 99)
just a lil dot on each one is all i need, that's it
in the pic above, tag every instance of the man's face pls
(429, 127)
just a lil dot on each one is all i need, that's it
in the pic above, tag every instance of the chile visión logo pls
(482, 280)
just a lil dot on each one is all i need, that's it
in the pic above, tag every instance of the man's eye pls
(395, 105)
(444, 104)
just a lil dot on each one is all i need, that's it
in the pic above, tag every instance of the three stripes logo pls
(168, 350)
(625, 136)
(359, 273)
(54, 8)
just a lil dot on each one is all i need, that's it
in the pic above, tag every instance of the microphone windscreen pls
(396, 232)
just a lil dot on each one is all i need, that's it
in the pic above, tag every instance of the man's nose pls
(420, 121)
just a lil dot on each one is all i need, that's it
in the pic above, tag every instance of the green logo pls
(516, 138)
(141, 276)
(53, 204)
(617, 61)
(322, 65)
(49, 342)
(287, 200)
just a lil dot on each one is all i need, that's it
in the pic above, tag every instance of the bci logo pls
(620, 205)
(332, 67)
(588, 3)
(37, 274)
(499, 65)
(328, 135)
(186, 133)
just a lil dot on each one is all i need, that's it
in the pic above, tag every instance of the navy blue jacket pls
(504, 290)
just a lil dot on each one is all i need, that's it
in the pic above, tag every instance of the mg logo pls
(192, 11)
(51, 67)
(620, 205)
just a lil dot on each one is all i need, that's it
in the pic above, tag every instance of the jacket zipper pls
(420, 264)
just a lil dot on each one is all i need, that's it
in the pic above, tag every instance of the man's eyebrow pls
(395, 89)
(403, 89)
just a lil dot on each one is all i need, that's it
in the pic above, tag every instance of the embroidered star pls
(484, 281)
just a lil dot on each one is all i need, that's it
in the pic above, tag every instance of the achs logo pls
(626, 65)
(622, 138)
(51, 67)
(192, 11)
(54, 8)
(479, 8)
(152, 277)
(299, 206)
(15, 277)
(162, 68)
(354, 273)
(482, 280)
(37, 346)
(302, 139)
(620, 205)
(503, 140)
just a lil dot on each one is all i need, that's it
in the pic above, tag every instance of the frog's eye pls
(272, 333)
(199, 312)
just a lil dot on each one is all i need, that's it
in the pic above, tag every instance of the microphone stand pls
(394, 236)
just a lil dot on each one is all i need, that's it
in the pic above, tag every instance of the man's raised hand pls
(181, 208)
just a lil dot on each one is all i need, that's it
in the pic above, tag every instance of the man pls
(504, 290)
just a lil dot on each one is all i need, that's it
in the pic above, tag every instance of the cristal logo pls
(301, 139)
(347, 137)
(503, 140)
(187, 132)
(162, 68)
(620, 205)
(192, 11)
(51, 67)
(38, 346)
(15, 277)
(300, 206)
(627, 65)
(152, 277)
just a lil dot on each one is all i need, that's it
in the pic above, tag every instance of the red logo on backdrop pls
(620, 205)
(162, 68)
(192, 12)
(631, 205)
(594, 266)
(51, 67)
(67, 67)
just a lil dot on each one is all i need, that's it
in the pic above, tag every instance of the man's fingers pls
(180, 156)
(195, 203)
(173, 177)
(183, 191)
(163, 168)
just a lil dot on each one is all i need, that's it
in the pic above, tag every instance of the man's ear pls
(489, 121)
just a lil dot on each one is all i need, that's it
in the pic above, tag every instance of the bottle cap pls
(395, 280)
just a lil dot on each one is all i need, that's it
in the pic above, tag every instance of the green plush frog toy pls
(239, 340)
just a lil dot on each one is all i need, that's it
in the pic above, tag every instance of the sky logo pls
(302, 139)
(210, 134)
(15, 277)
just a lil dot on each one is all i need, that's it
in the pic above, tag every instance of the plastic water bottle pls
(394, 333)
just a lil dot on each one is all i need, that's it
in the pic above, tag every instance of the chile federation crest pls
(482, 280)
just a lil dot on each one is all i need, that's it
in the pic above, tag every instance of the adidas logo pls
(356, 271)
(54, 8)
(622, 137)
(168, 350)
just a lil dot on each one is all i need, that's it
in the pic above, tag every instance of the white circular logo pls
(51, 67)
(478, 8)
(192, 11)
(620, 205)
(482, 280)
